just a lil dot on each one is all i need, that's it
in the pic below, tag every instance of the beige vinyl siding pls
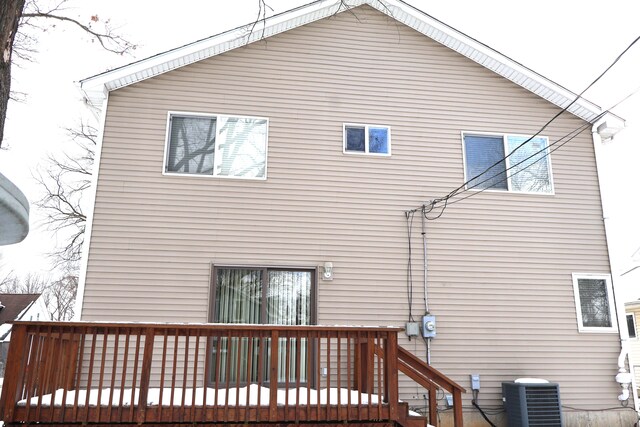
(500, 263)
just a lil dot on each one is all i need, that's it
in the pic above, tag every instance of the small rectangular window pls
(216, 145)
(367, 139)
(502, 162)
(631, 325)
(594, 303)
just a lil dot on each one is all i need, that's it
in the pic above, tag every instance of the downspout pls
(624, 377)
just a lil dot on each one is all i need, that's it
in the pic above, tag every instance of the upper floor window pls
(594, 303)
(216, 145)
(526, 169)
(367, 139)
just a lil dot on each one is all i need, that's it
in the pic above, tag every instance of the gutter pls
(604, 131)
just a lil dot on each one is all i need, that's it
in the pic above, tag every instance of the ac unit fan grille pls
(532, 405)
(542, 406)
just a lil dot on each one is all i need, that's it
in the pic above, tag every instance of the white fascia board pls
(492, 60)
(96, 87)
(632, 304)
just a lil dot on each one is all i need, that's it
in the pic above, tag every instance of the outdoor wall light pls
(327, 271)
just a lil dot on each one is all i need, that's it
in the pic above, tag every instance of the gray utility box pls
(532, 404)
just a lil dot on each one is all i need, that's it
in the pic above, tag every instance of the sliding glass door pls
(272, 296)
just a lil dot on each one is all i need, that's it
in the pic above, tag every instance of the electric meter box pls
(429, 326)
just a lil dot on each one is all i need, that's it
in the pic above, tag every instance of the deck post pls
(13, 372)
(391, 373)
(366, 365)
(145, 375)
(433, 405)
(273, 377)
(457, 408)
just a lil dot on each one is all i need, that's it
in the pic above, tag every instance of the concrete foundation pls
(623, 417)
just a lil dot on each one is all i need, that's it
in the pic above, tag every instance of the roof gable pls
(96, 87)
(14, 305)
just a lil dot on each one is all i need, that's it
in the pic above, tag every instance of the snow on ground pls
(244, 396)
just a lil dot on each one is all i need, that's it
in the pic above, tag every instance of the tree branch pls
(122, 46)
(63, 181)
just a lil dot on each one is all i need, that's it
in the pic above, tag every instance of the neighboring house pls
(245, 170)
(632, 316)
(17, 307)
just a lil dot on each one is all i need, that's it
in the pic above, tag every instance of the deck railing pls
(183, 373)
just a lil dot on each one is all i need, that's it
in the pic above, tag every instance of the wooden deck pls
(134, 373)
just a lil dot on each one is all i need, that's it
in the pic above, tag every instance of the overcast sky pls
(565, 41)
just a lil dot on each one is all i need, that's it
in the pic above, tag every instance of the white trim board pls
(96, 87)
(88, 231)
(610, 297)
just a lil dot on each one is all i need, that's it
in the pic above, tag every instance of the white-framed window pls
(526, 170)
(366, 139)
(216, 145)
(631, 325)
(595, 307)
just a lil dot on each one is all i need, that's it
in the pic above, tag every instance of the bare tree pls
(64, 182)
(10, 11)
(18, 19)
(58, 294)
(29, 284)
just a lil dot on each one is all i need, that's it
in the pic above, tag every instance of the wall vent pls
(532, 405)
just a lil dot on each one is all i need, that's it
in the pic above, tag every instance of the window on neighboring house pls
(367, 139)
(274, 296)
(526, 170)
(631, 325)
(594, 303)
(216, 145)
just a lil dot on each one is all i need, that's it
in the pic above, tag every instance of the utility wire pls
(456, 191)
(560, 142)
(577, 132)
(409, 216)
(571, 135)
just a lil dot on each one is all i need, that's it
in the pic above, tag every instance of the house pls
(632, 309)
(283, 176)
(17, 307)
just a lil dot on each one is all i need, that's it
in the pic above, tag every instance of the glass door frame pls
(311, 381)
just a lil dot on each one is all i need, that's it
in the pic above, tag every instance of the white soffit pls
(95, 87)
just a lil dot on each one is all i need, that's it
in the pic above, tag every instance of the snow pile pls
(244, 396)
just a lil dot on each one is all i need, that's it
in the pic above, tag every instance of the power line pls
(464, 184)
(584, 127)
(456, 191)
(409, 216)
(542, 150)
(577, 132)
